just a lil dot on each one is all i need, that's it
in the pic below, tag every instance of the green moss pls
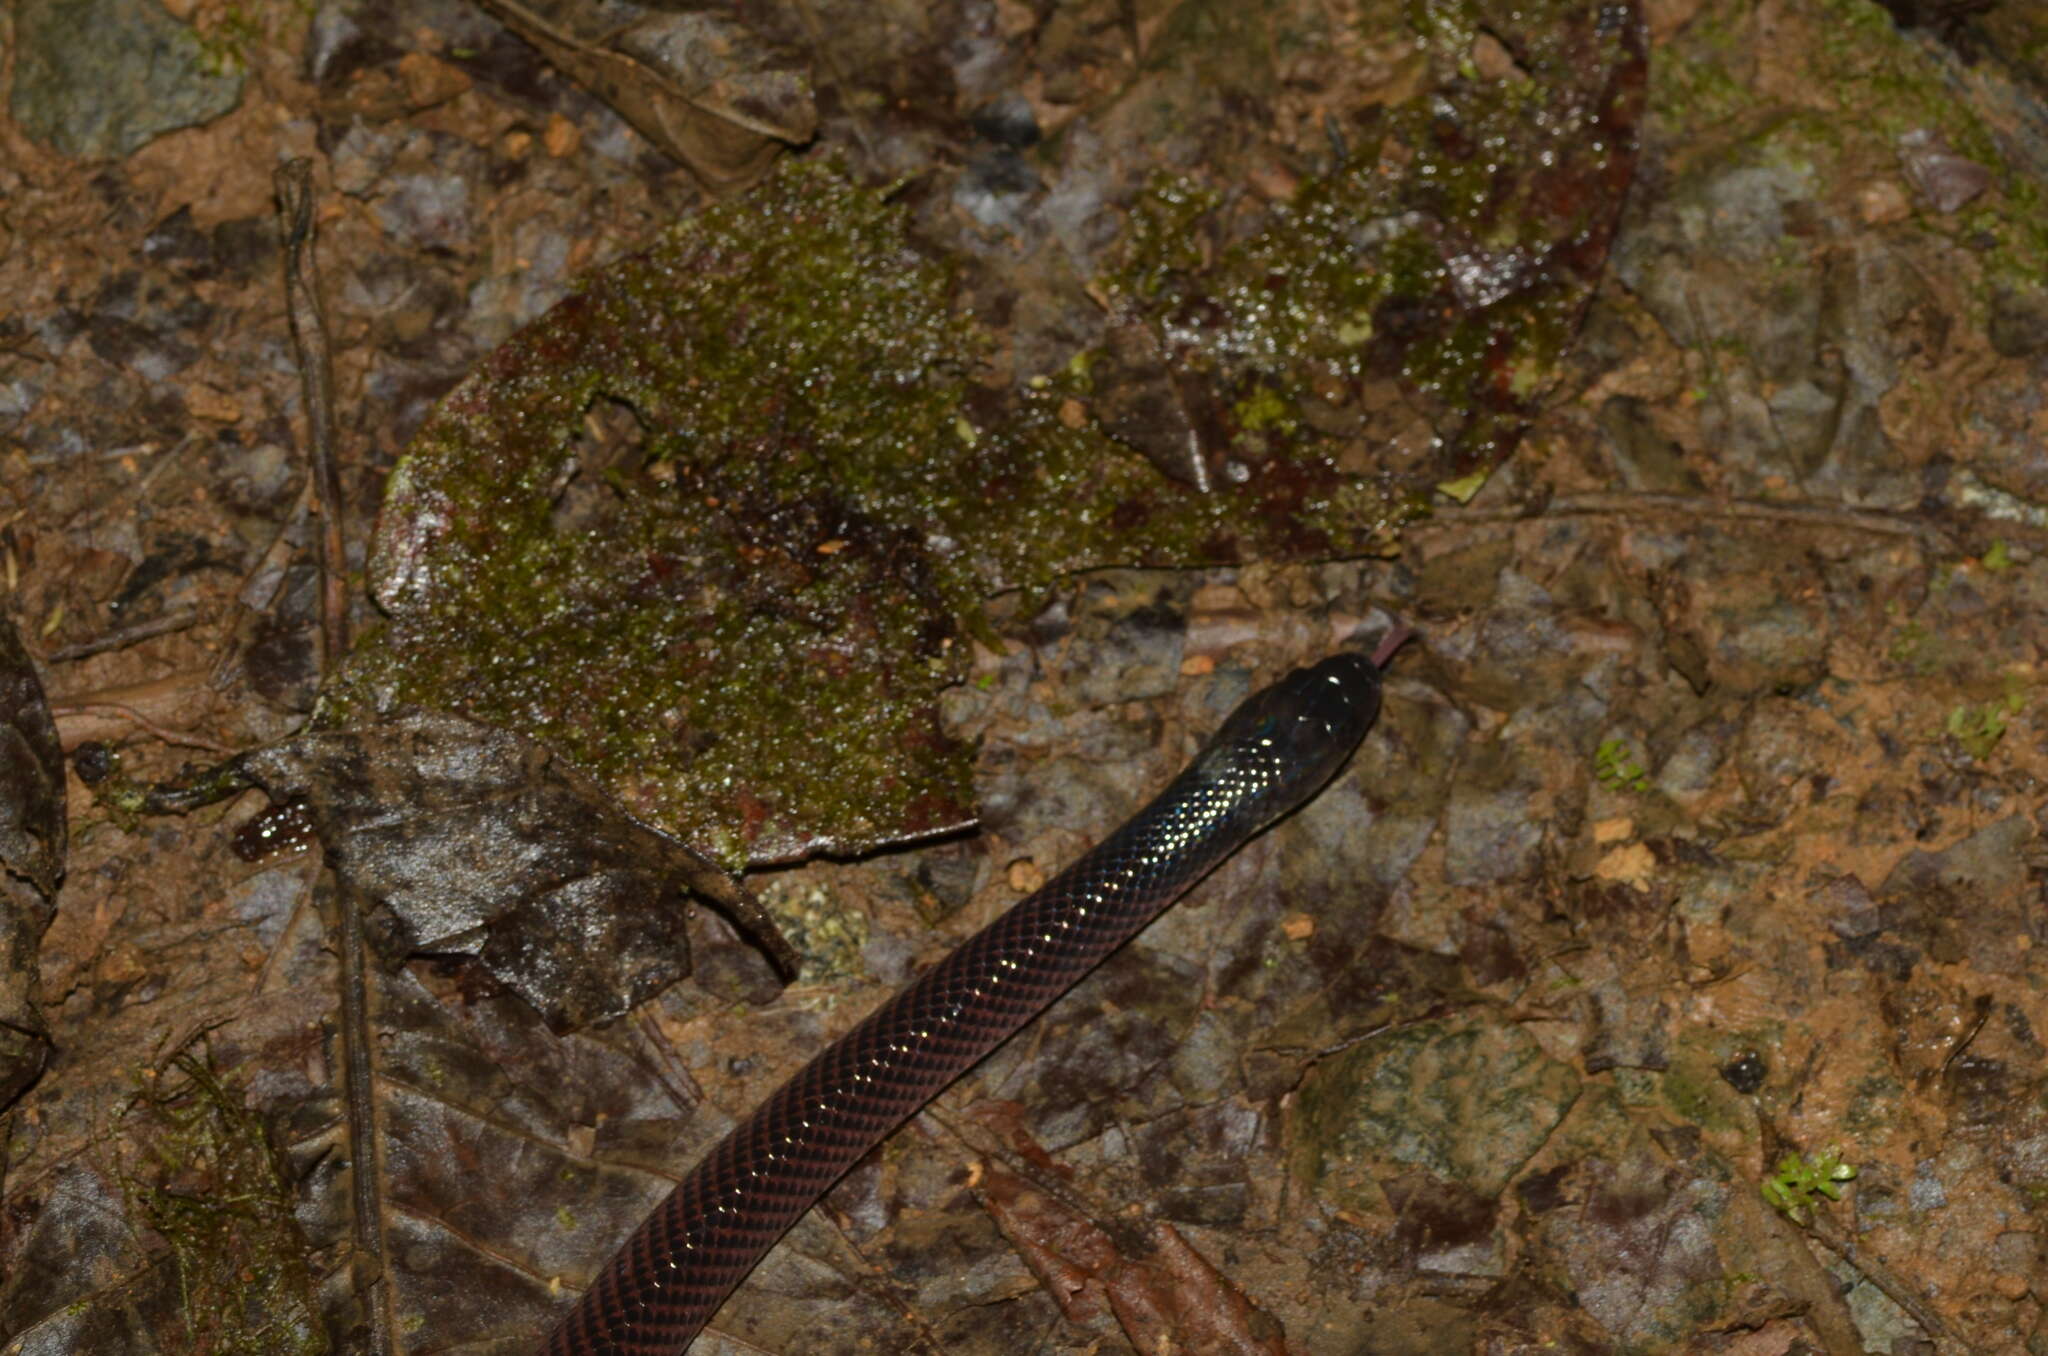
(726, 613)
(739, 611)
(1914, 647)
(1161, 236)
(1263, 409)
(1696, 85)
(214, 1191)
(1295, 302)
(1463, 488)
(831, 939)
(717, 527)
(229, 35)
(1697, 1095)
(1879, 84)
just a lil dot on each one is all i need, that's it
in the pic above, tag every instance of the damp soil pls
(1663, 974)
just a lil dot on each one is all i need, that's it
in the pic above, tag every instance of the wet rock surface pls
(100, 78)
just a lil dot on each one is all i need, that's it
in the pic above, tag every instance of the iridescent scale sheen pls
(1274, 752)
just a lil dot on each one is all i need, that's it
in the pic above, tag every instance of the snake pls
(1270, 755)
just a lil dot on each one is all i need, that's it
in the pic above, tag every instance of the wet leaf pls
(1170, 1300)
(31, 772)
(472, 841)
(32, 843)
(699, 83)
(1467, 1101)
(68, 1226)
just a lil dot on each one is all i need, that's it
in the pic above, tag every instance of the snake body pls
(1271, 754)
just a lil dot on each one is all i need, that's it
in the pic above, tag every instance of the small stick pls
(1625, 504)
(130, 714)
(1946, 1339)
(316, 372)
(294, 181)
(175, 620)
(101, 712)
(227, 664)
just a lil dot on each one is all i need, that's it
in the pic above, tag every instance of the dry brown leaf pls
(1170, 1301)
(701, 86)
(32, 841)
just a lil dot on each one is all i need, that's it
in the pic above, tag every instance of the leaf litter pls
(33, 844)
(1802, 666)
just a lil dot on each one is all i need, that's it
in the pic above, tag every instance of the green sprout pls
(1798, 1180)
(1616, 768)
(1979, 728)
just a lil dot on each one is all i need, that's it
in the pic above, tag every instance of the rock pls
(102, 78)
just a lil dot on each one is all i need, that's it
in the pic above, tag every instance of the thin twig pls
(161, 466)
(1609, 504)
(1982, 1010)
(126, 503)
(365, 1175)
(1391, 642)
(129, 703)
(1946, 1339)
(827, 53)
(183, 739)
(294, 182)
(316, 373)
(177, 619)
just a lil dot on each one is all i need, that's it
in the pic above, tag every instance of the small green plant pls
(1798, 1181)
(1615, 768)
(224, 47)
(1979, 728)
(1998, 558)
(1914, 647)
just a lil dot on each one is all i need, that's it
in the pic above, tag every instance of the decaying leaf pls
(31, 772)
(473, 841)
(32, 841)
(1171, 1300)
(1154, 405)
(697, 82)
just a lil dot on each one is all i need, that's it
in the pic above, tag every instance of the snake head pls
(1283, 742)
